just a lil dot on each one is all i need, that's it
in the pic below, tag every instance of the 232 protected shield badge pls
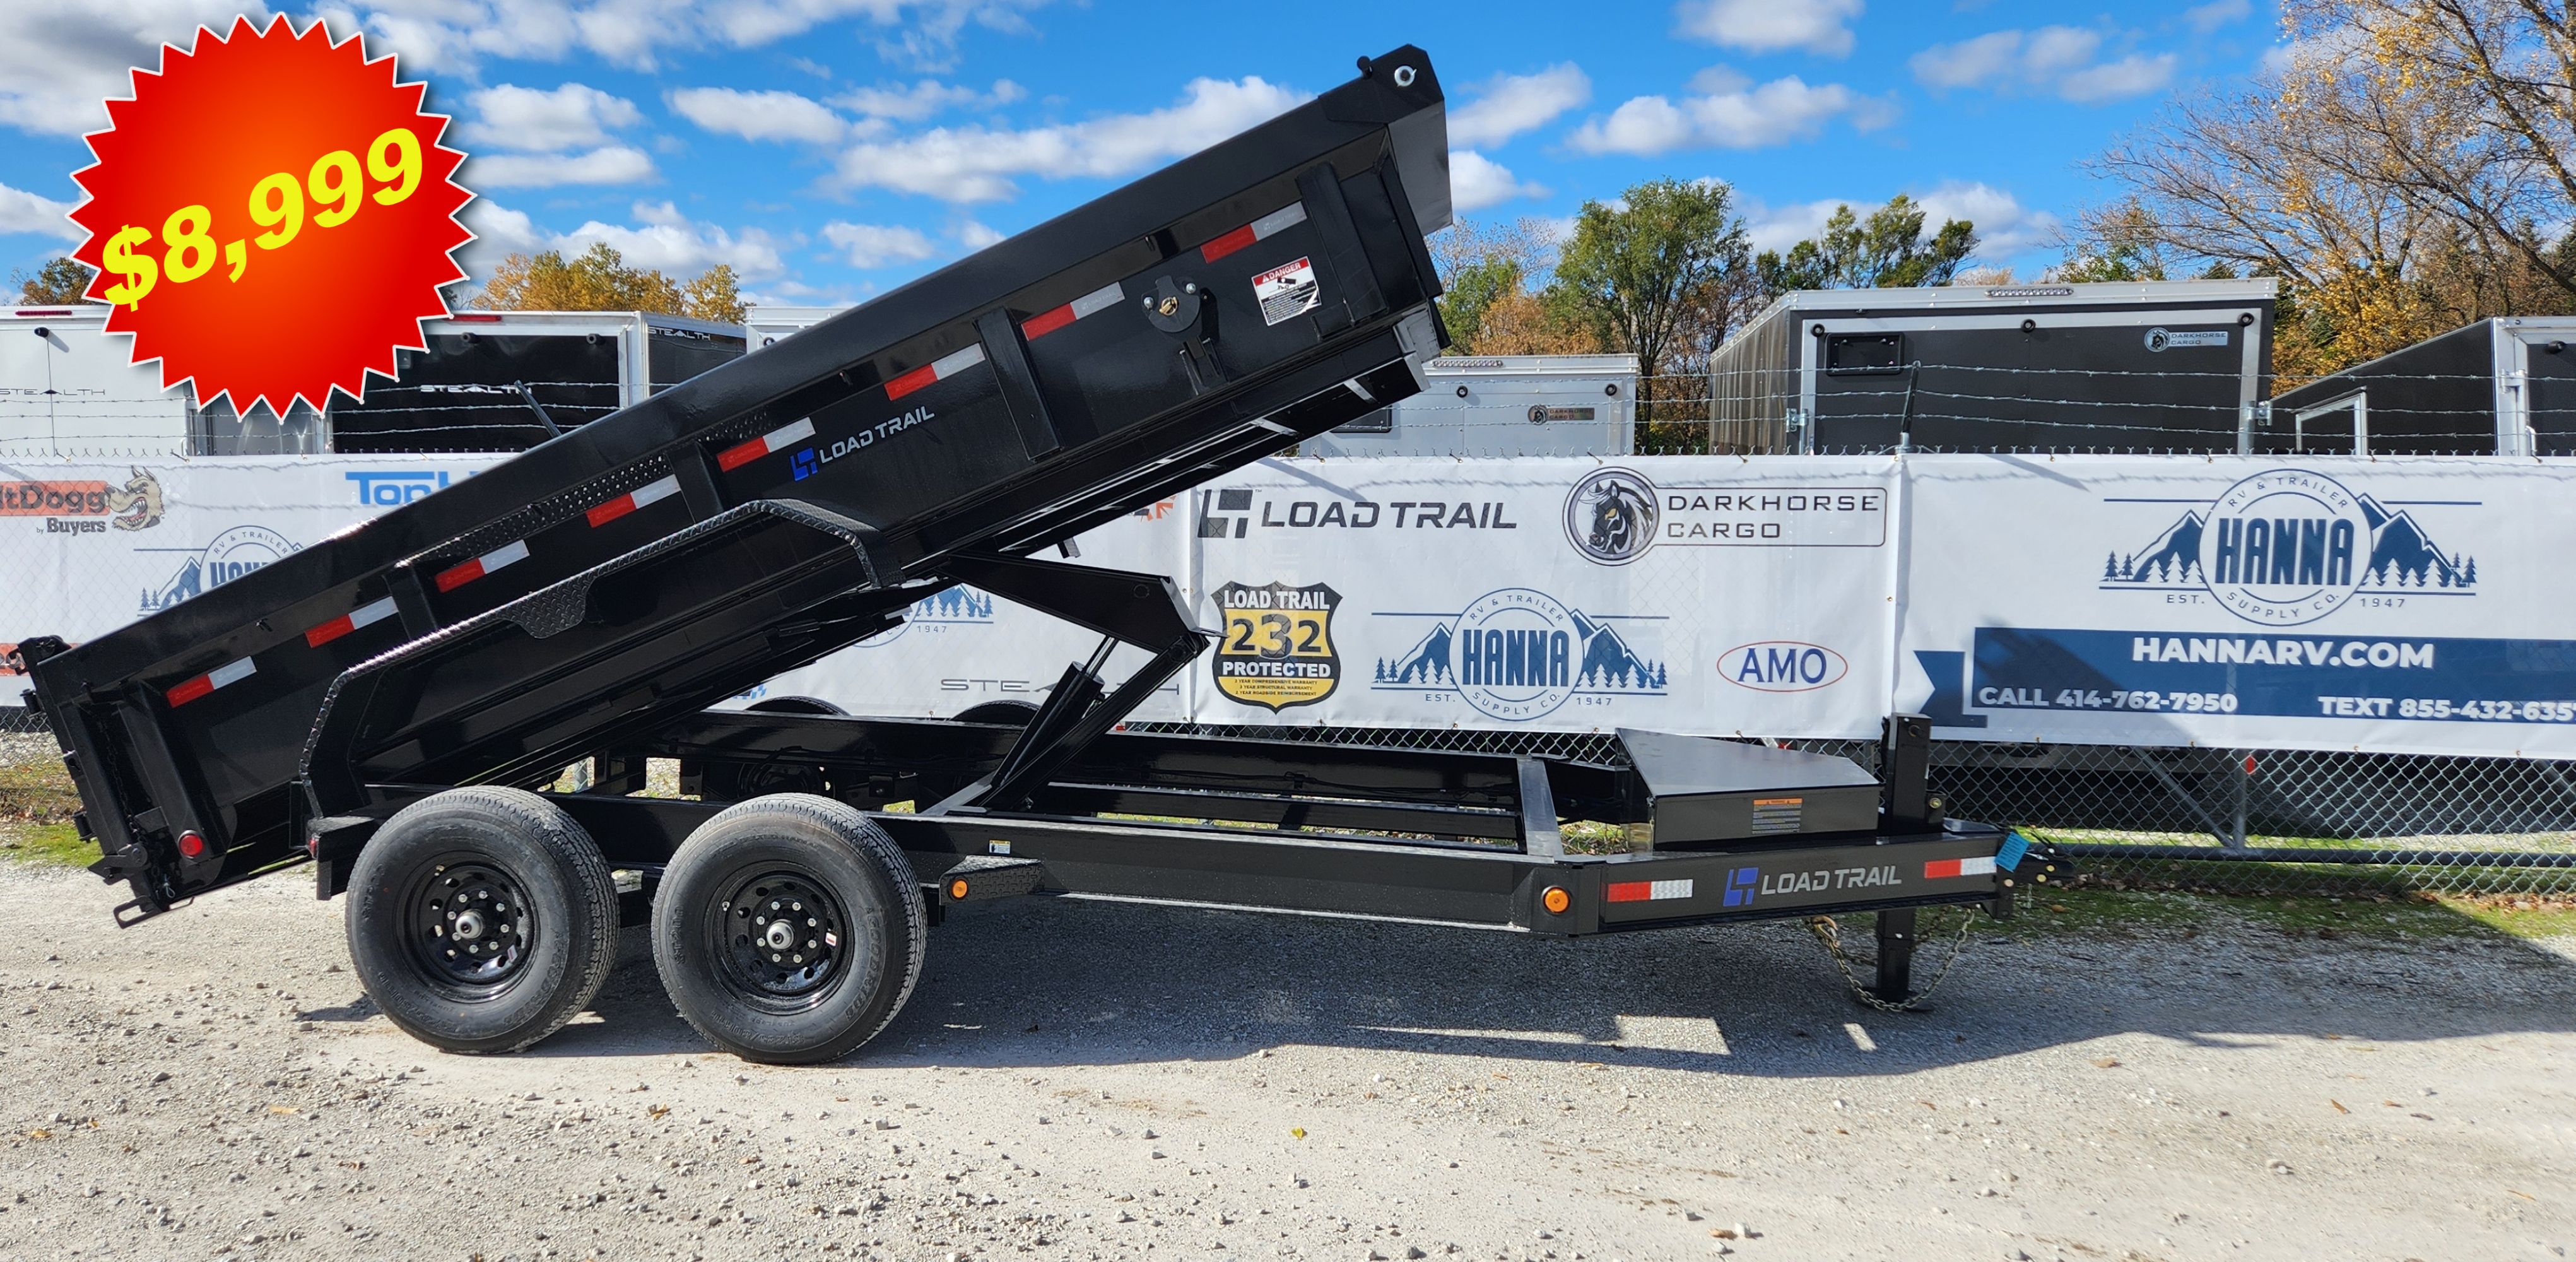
(1278, 647)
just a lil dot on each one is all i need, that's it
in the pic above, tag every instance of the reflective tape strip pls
(776, 439)
(650, 492)
(1288, 216)
(506, 554)
(1936, 869)
(363, 615)
(1097, 300)
(1646, 891)
(211, 680)
(939, 369)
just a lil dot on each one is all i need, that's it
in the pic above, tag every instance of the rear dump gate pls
(588, 599)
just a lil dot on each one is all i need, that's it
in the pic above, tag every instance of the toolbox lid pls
(1702, 789)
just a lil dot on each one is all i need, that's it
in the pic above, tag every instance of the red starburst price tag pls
(272, 215)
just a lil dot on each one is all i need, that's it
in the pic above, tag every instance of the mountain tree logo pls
(2290, 546)
(959, 606)
(1520, 654)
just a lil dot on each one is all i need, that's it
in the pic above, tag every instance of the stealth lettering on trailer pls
(2286, 676)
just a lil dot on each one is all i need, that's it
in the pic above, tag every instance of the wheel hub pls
(779, 936)
(472, 923)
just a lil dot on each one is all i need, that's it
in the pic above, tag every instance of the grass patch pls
(56, 844)
(36, 805)
(2169, 913)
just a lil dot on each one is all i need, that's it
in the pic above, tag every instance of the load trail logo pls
(2289, 547)
(1278, 647)
(1521, 654)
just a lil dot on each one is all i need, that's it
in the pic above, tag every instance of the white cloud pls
(1766, 26)
(875, 245)
(759, 115)
(664, 239)
(617, 164)
(2057, 61)
(2205, 18)
(22, 211)
(535, 120)
(923, 99)
(455, 35)
(1476, 181)
(2005, 227)
(1731, 115)
(1507, 105)
(976, 236)
(58, 62)
(976, 163)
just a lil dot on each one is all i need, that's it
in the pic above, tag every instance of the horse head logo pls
(1610, 516)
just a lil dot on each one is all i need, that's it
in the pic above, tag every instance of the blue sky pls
(830, 149)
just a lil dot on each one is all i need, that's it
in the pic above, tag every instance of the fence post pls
(2244, 784)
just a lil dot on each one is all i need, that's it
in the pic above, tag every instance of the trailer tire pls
(459, 860)
(734, 891)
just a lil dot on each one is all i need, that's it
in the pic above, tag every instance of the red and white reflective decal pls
(649, 493)
(940, 369)
(507, 554)
(1645, 891)
(1097, 300)
(775, 440)
(1259, 229)
(363, 615)
(211, 680)
(1935, 869)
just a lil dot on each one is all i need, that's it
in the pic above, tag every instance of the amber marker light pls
(1556, 900)
(957, 890)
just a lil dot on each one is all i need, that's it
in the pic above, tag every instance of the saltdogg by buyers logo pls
(234, 553)
(1610, 517)
(1521, 654)
(2290, 546)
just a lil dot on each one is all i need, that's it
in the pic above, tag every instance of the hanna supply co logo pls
(1520, 654)
(2290, 546)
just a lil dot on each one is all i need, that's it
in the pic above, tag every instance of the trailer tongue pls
(384, 703)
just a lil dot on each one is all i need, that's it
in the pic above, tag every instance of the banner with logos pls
(88, 546)
(2394, 606)
(1686, 594)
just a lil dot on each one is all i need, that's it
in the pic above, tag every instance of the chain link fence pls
(2273, 822)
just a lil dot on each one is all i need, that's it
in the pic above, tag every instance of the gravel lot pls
(1087, 1080)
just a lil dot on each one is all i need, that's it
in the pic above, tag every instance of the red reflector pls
(190, 691)
(611, 511)
(191, 845)
(451, 579)
(736, 457)
(329, 631)
(26, 312)
(1937, 868)
(1228, 244)
(917, 379)
(475, 319)
(1048, 323)
(1627, 891)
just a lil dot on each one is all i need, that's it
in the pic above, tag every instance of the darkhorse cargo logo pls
(2290, 546)
(1521, 654)
(1610, 516)
(1278, 648)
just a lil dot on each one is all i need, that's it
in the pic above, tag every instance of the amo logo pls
(1782, 666)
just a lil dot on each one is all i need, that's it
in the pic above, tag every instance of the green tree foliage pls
(61, 281)
(600, 280)
(2120, 244)
(1649, 271)
(1887, 249)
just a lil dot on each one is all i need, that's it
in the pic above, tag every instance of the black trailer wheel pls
(1009, 713)
(789, 929)
(482, 919)
(795, 705)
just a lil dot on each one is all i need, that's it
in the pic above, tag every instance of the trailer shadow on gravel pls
(1055, 983)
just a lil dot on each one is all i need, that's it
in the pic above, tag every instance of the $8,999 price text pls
(277, 203)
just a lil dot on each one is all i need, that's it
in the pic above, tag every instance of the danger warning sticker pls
(1285, 290)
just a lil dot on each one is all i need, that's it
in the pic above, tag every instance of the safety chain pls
(1830, 933)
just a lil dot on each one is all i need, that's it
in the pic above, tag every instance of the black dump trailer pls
(2503, 387)
(391, 705)
(2148, 365)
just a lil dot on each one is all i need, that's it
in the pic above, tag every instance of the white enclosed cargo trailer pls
(66, 389)
(1502, 405)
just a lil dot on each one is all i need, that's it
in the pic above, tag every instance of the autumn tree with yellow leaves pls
(599, 280)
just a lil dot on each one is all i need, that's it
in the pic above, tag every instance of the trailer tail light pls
(191, 845)
(1936, 869)
(939, 369)
(741, 454)
(649, 493)
(208, 682)
(1097, 300)
(1556, 900)
(1259, 229)
(363, 615)
(1646, 891)
(507, 554)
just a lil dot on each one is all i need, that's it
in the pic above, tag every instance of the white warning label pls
(1285, 290)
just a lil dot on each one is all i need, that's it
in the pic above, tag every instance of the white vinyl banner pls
(1685, 594)
(2394, 606)
(93, 545)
